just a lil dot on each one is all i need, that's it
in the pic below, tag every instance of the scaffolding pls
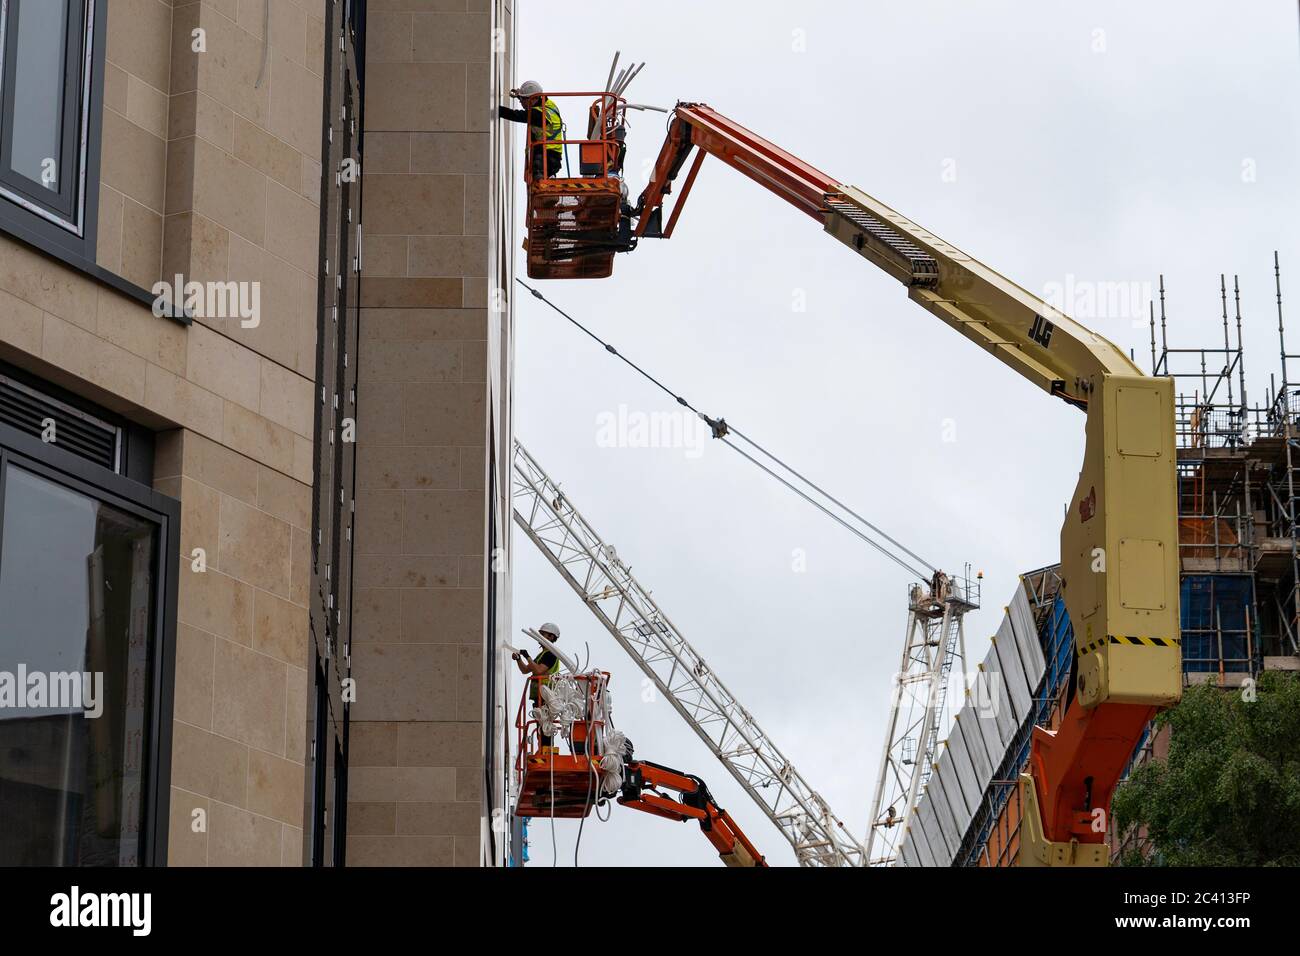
(1239, 537)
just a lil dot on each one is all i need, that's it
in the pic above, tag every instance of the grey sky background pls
(1091, 143)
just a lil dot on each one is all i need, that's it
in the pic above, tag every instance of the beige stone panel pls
(48, 284)
(283, 497)
(388, 37)
(379, 417)
(304, 461)
(292, 227)
(474, 361)
(224, 367)
(108, 236)
(185, 847)
(177, 399)
(291, 849)
(473, 570)
(240, 838)
(168, 453)
(467, 852)
(193, 700)
(296, 103)
(300, 583)
(289, 31)
(438, 819)
(410, 362)
(278, 334)
(142, 239)
(404, 571)
(480, 110)
(377, 292)
(385, 256)
(439, 745)
(473, 467)
(228, 71)
(469, 784)
(215, 465)
(392, 784)
(200, 520)
(115, 87)
(475, 294)
(452, 38)
(442, 616)
(372, 744)
(448, 255)
(254, 547)
(295, 744)
(267, 154)
(391, 153)
(198, 249)
(307, 319)
(132, 326)
(398, 96)
(476, 213)
(250, 434)
(249, 697)
(469, 682)
(209, 764)
(279, 628)
(139, 39)
(443, 522)
(421, 325)
(197, 114)
(229, 192)
(216, 603)
(132, 160)
(443, 414)
(228, 9)
(93, 359)
(21, 324)
(380, 519)
(184, 71)
(286, 398)
(407, 682)
(371, 819)
(376, 614)
(448, 152)
(275, 787)
(425, 205)
(400, 851)
(310, 180)
(409, 467)
(315, 43)
(146, 106)
(180, 176)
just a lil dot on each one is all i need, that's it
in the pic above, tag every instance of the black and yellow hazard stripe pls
(1126, 639)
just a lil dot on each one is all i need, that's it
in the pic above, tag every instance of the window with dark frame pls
(87, 639)
(51, 69)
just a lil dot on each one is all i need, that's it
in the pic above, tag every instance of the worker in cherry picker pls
(542, 668)
(545, 129)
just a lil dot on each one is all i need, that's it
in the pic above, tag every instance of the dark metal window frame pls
(72, 472)
(66, 230)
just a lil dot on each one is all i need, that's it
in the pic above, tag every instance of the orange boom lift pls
(1119, 543)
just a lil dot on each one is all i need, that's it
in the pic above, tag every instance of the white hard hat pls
(530, 88)
(551, 629)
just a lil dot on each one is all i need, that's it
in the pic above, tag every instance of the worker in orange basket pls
(545, 666)
(545, 128)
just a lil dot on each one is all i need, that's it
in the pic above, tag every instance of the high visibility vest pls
(554, 126)
(534, 686)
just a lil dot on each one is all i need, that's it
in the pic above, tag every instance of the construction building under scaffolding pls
(1239, 572)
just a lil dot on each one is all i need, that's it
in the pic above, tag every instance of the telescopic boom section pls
(1119, 543)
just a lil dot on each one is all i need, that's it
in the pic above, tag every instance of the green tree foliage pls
(1228, 794)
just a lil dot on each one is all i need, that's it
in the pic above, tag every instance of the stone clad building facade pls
(252, 397)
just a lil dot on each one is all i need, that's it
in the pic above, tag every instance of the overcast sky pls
(1066, 146)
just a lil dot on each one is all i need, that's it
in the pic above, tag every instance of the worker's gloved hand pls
(516, 94)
